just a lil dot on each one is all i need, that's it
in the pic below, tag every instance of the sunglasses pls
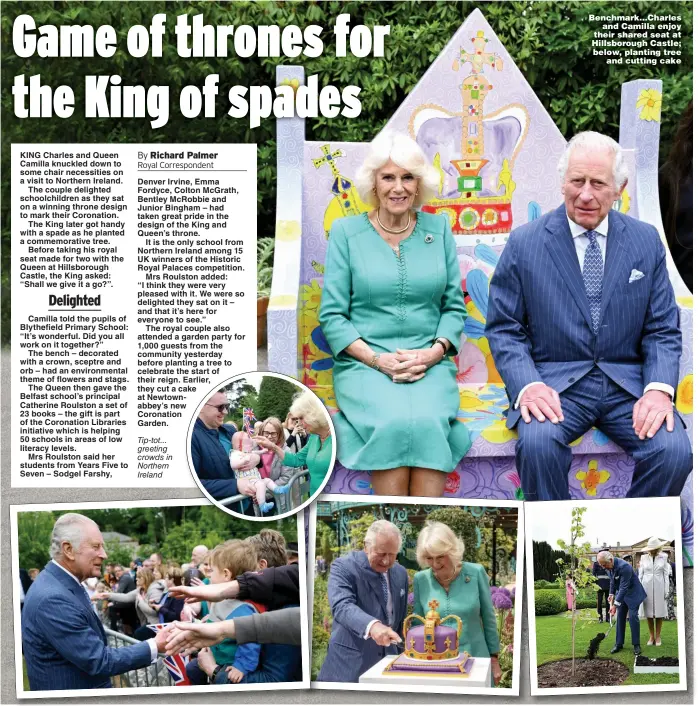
(222, 408)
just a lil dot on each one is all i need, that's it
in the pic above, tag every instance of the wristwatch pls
(214, 674)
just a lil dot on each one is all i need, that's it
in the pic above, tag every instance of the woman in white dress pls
(654, 573)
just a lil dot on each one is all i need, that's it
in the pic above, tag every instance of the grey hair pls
(307, 406)
(382, 527)
(604, 556)
(406, 153)
(596, 141)
(68, 528)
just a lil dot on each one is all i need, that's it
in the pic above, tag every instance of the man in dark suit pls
(125, 583)
(65, 646)
(626, 597)
(368, 597)
(603, 584)
(584, 330)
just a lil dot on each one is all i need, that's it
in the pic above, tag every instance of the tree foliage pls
(275, 397)
(550, 42)
(172, 531)
(464, 526)
(545, 567)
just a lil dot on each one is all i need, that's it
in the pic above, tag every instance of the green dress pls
(316, 456)
(392, 302)
(469, 598)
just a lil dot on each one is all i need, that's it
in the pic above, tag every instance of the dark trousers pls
(624, 613)
(543, 454)
(601, 601)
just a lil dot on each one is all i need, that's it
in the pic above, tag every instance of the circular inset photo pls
(261, 446)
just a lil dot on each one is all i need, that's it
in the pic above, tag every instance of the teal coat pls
(394, 302)
(469, 598)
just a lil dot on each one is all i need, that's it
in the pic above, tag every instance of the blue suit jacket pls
(625, 585)
(539, 323)
(356, 598)
(65, 646)
(211, 462)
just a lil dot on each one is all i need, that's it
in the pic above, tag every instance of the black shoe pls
(600, 619)
(637, 650)
(616, 648)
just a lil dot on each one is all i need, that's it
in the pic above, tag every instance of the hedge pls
(549, 603)
(550, 42)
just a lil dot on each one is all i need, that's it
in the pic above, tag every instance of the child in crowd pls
(170, 608)
(228, 661)
(241, 455)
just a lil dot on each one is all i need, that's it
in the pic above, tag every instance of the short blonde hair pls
(406, 153)
(309, 408)
(436, 539)
(236, 555)
(270, 545)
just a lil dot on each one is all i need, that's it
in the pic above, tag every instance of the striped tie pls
(384, 585)
(592, 274)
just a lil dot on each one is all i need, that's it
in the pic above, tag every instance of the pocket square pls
(402, 592)
(635, 275)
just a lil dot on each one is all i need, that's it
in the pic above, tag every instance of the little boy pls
(228, 661)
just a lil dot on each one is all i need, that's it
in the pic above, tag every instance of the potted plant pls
(265, 269)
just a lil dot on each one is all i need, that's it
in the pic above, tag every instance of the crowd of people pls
(261, 464)
(228, 587)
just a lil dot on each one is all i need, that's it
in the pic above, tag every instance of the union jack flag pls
(176, 664)
(248, 419)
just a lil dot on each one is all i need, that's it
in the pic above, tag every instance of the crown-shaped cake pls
(432, 640)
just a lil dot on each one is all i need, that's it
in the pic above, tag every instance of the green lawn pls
(554, 641)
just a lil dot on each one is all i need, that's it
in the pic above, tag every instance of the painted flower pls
(592, 478)
(311, 294)
(684, 395)
(514, 479)
(293, 82)
(650, 101)
(452, 482)
(472, 367)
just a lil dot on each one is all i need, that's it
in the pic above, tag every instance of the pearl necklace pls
(394, 231)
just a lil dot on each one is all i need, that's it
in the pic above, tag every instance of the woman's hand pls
(401, 368)
(496, 670)
(265, 443)
(427, 357)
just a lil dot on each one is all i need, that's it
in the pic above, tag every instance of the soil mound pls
(588, 672)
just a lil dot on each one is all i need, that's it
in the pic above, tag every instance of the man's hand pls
(234, 675)
(650, 412)
(612, 610)
(383, 635)
(542, 402)
(161, 638)
(187, 637)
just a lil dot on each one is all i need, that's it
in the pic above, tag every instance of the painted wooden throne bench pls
(482, 126)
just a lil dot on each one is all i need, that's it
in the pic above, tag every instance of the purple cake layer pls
(461, 665)
(445, 638)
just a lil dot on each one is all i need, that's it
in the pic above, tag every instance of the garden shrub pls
(549, 602)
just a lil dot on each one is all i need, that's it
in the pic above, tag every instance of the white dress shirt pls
(581, 243)
(151, 641)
